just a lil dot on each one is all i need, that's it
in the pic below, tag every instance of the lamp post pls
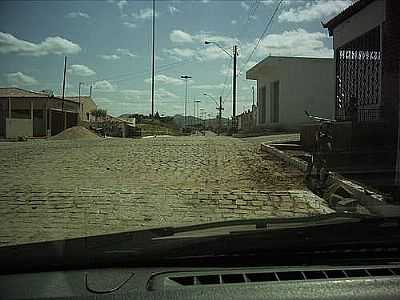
(185, 77)
(196, 110)
(234, 56)
(220, 109)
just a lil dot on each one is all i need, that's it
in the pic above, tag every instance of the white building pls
(287, 86)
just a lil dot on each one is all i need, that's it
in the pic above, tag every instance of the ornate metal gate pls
(358, 79)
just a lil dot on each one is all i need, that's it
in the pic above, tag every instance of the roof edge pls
(345, 14)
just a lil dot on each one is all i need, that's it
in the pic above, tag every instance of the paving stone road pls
(63, 189)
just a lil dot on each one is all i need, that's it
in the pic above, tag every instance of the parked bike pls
(317, 172)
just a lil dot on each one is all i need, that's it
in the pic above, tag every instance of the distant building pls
(286, 86)
(247, 120)
(86, 106)
(26, 113)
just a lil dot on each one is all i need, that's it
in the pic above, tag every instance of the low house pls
(26, 113)
(247, 120)
(287, 86)
(87, 105)
(366, 41)
(118, 127)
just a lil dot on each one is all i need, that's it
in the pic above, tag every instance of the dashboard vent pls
(208, 278)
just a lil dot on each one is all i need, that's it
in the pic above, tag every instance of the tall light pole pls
(185, 77)
(153, 60)
(234, 56)
(196, 102)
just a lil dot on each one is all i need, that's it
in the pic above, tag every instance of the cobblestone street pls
(62, 189)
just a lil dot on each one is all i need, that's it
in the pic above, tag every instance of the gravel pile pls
(73, 133)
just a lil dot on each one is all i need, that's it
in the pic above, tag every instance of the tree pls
(99, 113)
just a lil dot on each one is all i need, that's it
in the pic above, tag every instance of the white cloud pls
(109, 56)
(143, 14)
(179, 53)
(104, 86)
(130, 25)
(224, 40)
(244, 5)
(125, 52)
(20, 79)
(268, 2)
(140, 95)
(313, 10)
(77, 14)
(51, 45)
(166, 80)
(233, 22)
(205, 53)
(121, 4)
(80, 70)
(179, 36)
(173, 10)
(164, 94)
(211, 86)
(205, 1)
(292, 43)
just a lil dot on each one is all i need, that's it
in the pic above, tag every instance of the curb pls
(372, 200)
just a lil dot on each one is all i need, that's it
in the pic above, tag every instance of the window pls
(274, 102)
(263, 100)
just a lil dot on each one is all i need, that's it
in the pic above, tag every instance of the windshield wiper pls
(231, 226)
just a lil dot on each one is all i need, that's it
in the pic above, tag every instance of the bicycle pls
(317, 172)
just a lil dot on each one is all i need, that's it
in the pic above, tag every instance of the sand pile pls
(73, 133)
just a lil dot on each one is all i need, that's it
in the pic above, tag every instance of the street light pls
(185, 77)
(219, 108)
(205, 94)
(196, 110)
(234, 56)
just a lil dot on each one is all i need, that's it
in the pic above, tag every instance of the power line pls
(119, 78)
(265, 31)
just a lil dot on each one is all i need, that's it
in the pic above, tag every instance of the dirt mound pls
(73, 133)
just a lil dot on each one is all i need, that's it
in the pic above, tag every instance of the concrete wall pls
(360, 23)
(303, 85)
(18, 127)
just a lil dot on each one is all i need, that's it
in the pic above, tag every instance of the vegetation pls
(99, 113)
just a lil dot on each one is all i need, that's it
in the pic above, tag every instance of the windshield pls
(118, 116)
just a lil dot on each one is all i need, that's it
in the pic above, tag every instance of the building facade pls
(87, 105)
(34, 114)
(366, 40)
(287, 86)
(247, 120)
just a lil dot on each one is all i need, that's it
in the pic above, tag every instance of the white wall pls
(18, 127)
(303, 85)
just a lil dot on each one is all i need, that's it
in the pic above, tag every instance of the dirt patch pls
(73, 133)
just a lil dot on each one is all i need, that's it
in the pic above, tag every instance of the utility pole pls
(63, 85)
(153, 60)
(185, 77)
(90, 91)
(234, 87)
(79, 97)
(220, 109)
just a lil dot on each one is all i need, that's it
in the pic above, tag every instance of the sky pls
(108, 46)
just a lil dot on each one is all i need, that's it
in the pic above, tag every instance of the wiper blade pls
(224, 227)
